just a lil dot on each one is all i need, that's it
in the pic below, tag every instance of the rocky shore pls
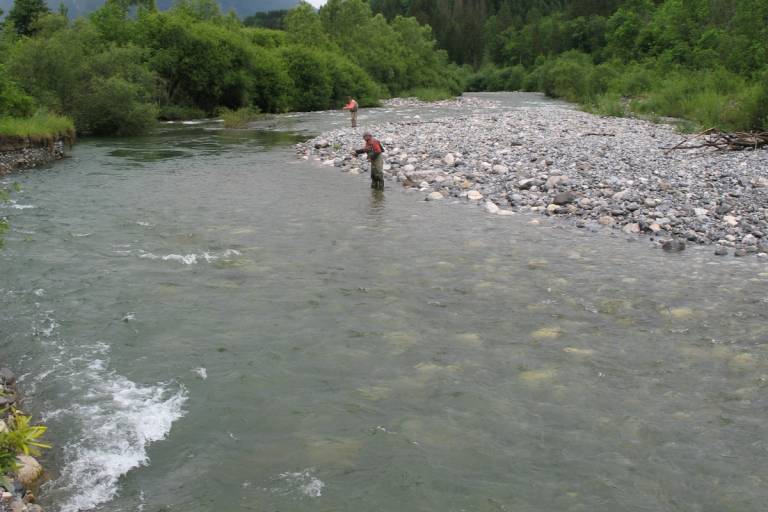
(23, 154)
(615, 173)
(17, 480)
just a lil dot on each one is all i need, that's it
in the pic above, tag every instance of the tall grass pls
(241, 117)
(713, 98)
(41, 127)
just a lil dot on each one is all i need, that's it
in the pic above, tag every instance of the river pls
(206, 322)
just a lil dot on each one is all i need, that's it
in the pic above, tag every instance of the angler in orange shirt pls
(352, 107)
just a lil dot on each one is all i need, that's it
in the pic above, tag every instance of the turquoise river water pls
(207, 323)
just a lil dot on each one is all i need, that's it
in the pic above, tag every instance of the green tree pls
(24, 13)
(303, 26)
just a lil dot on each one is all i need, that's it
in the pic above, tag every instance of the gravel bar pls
(593, 171)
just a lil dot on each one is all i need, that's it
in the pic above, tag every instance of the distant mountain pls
(243, 8)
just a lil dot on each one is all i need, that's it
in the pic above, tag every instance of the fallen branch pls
(722, 141)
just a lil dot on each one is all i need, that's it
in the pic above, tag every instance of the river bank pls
(592, 171)
(19, 479)
(24, 154)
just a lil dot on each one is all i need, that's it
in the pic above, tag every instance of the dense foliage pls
(704, 60)
(126, 64)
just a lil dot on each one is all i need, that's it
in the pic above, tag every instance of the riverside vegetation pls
(20, 442)
(705, 61)
(127, 64)
(117, 70)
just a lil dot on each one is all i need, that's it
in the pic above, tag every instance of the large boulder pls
(28, 470)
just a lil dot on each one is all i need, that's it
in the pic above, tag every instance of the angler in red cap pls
(374, 150)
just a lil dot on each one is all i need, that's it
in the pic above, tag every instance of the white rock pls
(554, 181)
(29, 470)
(449, 160)
(618, 196)
(749, 240)
(631, 228)
(486, 165)
(606, 220)
(474, 195)
(491, 207)
(435, 196)
(500, 169)
(552, 208)
(409, 168)
(505, 212)
(423, 184)
(730, 220)
(329, 163)
(700, 212)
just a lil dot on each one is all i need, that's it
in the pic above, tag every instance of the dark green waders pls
(377, 172)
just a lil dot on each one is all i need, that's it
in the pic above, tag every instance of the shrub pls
(239, 118)
(609, 104)
(311, 78)
(114, 106)
(179, 113)
(13, 100)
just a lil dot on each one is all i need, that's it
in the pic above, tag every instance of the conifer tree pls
(25, 13)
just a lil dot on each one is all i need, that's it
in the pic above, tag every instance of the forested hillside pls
(115, 73)
(243, 8)
(704, 60)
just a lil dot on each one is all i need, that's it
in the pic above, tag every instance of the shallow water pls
(207, 323)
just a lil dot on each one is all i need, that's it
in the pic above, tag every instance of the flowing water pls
(207, 323)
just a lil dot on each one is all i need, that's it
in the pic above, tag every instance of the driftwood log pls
(723, 141)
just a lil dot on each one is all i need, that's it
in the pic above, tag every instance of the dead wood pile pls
(723, 141)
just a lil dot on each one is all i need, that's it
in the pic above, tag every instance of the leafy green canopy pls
(706, 61)
(116, 70)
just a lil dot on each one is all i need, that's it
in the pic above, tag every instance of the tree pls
(304, 27)
(24, 14)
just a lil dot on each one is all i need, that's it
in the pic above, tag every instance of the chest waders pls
(377, 172)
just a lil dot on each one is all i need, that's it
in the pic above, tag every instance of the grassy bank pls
(711, 98)
(41, 127)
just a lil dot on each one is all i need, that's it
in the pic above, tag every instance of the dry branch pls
(723, 141)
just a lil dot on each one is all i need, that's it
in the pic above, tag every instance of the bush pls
(609, 104)
(114, 106)
(13, 100)
(179, 113)
(313, 87)
(239, 118)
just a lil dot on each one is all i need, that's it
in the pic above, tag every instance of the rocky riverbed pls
(17, 155)
(616, 173)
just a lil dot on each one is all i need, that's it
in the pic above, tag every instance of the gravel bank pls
(590, 170)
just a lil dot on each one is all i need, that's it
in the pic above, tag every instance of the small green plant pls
(23, 436)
